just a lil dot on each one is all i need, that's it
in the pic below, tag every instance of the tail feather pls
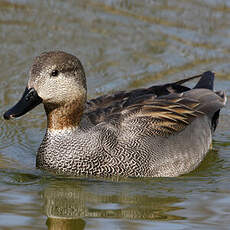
(206, 81)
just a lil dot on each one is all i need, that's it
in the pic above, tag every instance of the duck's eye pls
(54, 73)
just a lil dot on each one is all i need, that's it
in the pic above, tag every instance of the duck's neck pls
(62, 117)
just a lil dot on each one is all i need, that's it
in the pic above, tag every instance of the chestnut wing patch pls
(164, 117)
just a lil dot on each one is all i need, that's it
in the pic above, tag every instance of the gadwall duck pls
(161, 131)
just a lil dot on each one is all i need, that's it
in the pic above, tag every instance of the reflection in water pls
(66, 203)
(65, 224)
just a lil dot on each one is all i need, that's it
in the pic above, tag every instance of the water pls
(123, 45)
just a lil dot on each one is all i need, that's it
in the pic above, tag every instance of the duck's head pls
(58, 80)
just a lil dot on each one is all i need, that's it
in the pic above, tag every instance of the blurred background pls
(123, 44)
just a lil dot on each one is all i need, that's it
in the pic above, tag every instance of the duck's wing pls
(102, 108)
(170, 114)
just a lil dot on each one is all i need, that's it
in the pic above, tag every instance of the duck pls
(161, 131)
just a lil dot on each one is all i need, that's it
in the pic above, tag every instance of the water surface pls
(122, 45)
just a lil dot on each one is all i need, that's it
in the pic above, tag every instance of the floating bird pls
(161, 131)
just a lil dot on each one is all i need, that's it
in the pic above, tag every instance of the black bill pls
(29, 100)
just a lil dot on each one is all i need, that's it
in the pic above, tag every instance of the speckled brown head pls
(58, 80)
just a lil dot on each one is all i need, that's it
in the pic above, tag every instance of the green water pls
(123, 45)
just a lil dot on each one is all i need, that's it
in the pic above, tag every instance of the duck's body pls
(164, 130)
(103, 150)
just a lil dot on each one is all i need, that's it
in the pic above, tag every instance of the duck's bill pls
(29, 100)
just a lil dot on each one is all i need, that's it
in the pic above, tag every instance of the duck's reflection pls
(67, 202)
(65, 224)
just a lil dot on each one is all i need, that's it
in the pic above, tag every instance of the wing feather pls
(163, 109)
